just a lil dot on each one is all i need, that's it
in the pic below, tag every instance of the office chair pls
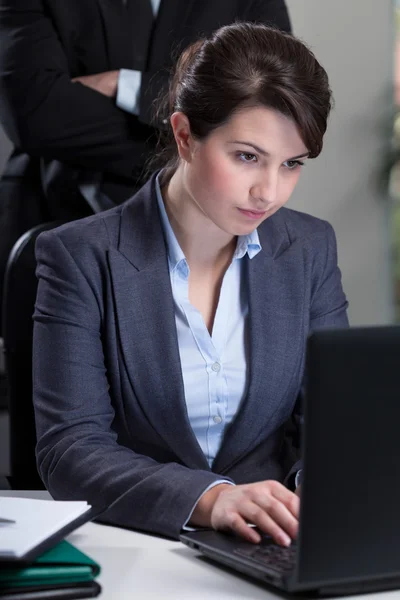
(20, 286)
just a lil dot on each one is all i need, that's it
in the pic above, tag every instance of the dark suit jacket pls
(64, 132)
(111, 420)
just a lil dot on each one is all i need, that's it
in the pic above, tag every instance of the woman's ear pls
(182, 134)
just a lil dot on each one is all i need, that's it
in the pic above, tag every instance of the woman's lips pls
(252, 214)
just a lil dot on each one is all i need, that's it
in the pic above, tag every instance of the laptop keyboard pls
(270, 555)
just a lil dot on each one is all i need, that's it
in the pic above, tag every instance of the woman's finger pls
(267, 522)
(281, 514)
(288, 498)
(235, 522)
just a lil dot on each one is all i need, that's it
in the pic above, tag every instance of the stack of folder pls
(63, 572)
(35, 561)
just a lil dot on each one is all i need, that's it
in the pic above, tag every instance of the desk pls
(136, 566)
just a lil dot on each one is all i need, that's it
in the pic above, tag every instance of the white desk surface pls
(137, 566)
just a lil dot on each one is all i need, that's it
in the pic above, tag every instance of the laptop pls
(349, 528)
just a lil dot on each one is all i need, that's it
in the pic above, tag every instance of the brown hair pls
(244, 65)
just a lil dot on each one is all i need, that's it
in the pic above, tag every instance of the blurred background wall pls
(354, 42)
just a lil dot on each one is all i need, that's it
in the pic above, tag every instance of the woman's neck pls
(203, 243)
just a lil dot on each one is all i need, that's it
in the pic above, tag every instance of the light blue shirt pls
(130, 81)
(214, 367)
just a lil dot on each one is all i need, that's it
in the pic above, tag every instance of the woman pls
(170, 332)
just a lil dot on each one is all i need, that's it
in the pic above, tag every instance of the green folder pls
(62, 565)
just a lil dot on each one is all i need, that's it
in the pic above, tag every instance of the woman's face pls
(245, 170)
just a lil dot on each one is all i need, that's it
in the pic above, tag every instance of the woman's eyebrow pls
(264, 152)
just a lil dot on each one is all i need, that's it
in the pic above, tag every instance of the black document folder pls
(90, 589)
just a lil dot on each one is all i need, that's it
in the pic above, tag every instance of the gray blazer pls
(111, 420)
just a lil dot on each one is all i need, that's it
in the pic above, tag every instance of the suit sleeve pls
(328, 309)
(328, 301)
(78, 453)
(43, 112)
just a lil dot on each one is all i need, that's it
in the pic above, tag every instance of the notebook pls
(349, 530)
(28, 527)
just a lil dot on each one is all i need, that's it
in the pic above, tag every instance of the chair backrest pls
(19, 295)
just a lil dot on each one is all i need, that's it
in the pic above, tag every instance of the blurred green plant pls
(391, 175)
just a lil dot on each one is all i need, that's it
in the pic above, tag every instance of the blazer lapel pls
(117, 34)
(146, 324)
(169, 27)
(276, 290)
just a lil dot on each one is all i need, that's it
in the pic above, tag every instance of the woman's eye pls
(293, 164)
(247, 157)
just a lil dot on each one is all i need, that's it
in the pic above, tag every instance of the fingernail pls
(255, 537)
(285, 539)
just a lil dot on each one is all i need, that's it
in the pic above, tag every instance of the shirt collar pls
(249, 244)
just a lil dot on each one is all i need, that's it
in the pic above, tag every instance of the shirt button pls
(216, 367)
(217, 419)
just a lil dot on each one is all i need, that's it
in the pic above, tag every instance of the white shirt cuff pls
(184, 526)
(128, 91)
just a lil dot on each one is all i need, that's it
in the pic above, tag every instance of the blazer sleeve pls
(78, 453)
(328, 308)
(43, 112)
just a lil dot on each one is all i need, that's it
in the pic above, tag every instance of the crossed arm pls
(45, 113)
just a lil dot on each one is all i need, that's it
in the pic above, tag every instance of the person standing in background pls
(77, 84)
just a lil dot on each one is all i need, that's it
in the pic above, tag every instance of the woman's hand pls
(268, 505)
